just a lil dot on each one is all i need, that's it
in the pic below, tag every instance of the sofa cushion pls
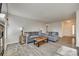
(53, 33)
(34, 36)
(33, 33)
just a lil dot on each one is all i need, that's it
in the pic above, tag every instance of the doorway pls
(69, 33)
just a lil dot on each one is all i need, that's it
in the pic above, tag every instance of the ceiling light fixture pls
(68, 21)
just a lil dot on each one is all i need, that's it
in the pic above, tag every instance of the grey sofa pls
(31, 36)
(53, 36)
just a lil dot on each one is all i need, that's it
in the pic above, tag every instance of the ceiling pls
(45, 12)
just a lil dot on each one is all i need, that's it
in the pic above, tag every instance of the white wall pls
(16, 22)
(56, 27)
(77, 28)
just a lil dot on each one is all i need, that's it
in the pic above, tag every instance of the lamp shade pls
(2, 15)
(21, 28)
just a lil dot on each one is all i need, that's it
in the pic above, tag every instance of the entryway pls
(68, 31)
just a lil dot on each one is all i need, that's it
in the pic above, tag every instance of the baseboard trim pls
(11, 43)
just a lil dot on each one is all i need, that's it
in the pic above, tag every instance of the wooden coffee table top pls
(40, 38)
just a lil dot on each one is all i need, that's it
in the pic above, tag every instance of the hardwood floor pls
(68, 40)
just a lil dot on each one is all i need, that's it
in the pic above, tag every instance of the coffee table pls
(37, 40)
